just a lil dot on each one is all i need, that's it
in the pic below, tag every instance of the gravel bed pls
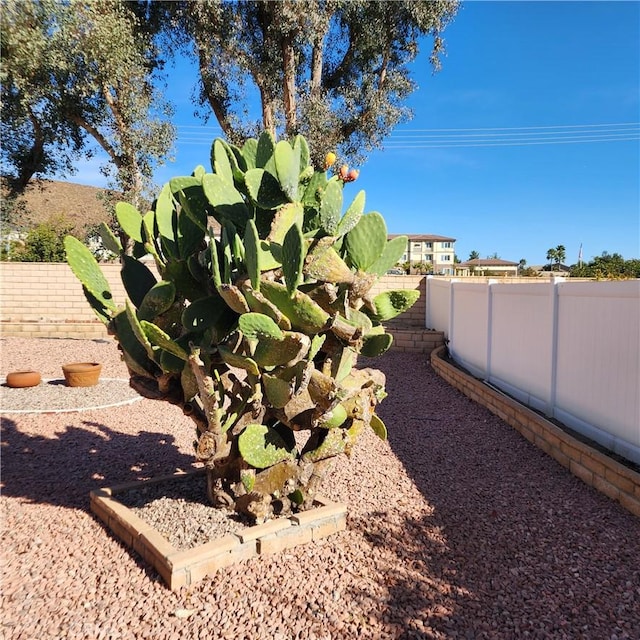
(458, 528)
(179, 510)
(55, 395)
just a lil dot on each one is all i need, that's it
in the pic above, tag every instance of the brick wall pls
(41, 299)
(598, 470)
(46, 300)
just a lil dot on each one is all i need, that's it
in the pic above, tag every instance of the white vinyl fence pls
(568, 349)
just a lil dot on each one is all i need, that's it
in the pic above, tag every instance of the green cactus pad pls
(287, 350)
(249, 149)
(352, 215)
(334, 418)
(157, 300)
(366, 241)
(361, 320)
(248, 479)
(130, 220)
(86, 269)
(316, 344)
(301, 147)
(259, 304)
(262, 447)
(285, 218)
(189, 383)
(297, 497)
(277, 390)
(256, 326)
(134, 353)
(391, 255)
(293, 253)
(375, 345)
(264, 189)
(226, 200)
(332, 445)
(342, 365)
(165, 211)
(324, 264)
(137, 279)
(304, 314)
(378, 427)
(331, 207)
(389, 304)
(109, 240)
(239, 361)
(194, 204)
(169, 363)
(156, 336)
(287, 168)
(252, 255)
(264, 153)
(138, 331)
(314, 191)
(234, 298)
(220, 161)
(202, 314)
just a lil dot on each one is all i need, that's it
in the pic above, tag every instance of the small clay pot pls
(22, 379)
(81, 374)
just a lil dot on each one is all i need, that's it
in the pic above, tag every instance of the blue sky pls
(529, 136)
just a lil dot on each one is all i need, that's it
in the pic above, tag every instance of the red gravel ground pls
(458, 528)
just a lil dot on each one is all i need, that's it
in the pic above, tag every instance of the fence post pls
(427, 303)
(490, 283)
(553, 380)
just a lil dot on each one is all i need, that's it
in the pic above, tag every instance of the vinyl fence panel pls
(521, 341)
(469, 326)
(598, 361)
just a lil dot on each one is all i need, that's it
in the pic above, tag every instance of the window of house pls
(428, 257)
(446, 245)
(416, 245)
(428, 245)
(446, 258)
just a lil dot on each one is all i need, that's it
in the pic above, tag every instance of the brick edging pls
(179, 568)
(593, 467)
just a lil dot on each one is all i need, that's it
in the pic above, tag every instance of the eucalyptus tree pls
(75, 72)
(335, 71)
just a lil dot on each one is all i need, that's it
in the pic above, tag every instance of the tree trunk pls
(289, 88)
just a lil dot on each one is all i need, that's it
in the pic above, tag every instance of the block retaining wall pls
(613, 479)
(45, 300)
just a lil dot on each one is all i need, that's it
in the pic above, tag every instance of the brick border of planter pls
(608, 476)
(180, 568)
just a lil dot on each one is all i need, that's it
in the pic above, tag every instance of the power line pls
(190, 135)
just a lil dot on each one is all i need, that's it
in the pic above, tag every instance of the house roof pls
(487, 262)
(422, 238)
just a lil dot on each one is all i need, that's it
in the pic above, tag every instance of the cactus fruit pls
(255, 331)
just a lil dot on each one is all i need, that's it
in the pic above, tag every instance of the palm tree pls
(552, 256)
(561, 254)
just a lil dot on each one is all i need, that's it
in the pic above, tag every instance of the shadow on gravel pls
(511, 540)
(62, 471)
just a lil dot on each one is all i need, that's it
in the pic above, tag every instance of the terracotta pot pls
(21, 379)
(81, 374)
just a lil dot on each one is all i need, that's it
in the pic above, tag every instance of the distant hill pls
(78, 203)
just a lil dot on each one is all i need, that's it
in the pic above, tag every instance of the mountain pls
(79, 204)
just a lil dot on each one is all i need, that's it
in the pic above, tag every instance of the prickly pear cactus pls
(254, 330)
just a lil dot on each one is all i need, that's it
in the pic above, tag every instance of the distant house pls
(487, 267)
(435, 253)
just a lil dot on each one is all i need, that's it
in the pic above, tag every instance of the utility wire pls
(473, 137)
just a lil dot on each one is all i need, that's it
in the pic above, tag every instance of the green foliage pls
(43, 243)
(608, 266)
(256, 333)
(78, 70)
(337, 72)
